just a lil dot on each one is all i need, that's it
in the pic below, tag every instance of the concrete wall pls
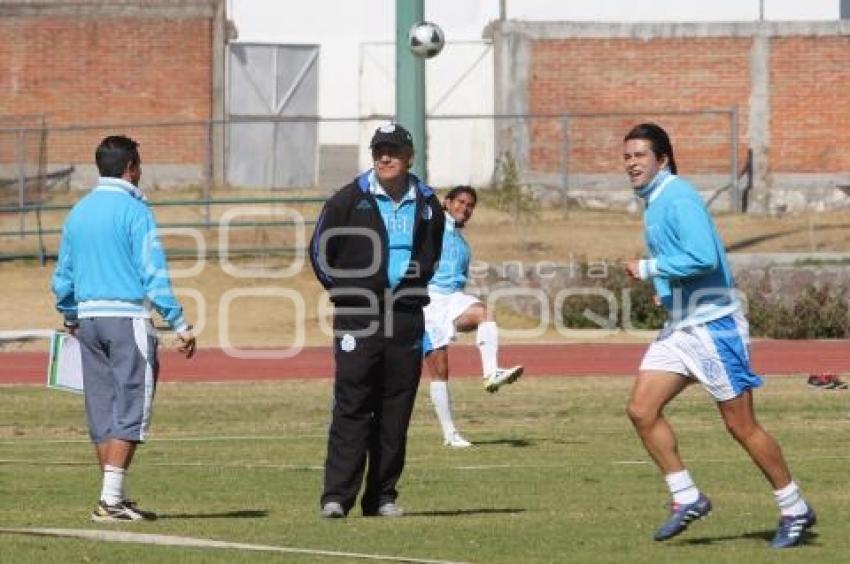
(787, 81)
(112, 62)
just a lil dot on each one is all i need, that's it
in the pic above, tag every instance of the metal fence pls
(23, 159)
(566, 159)
(196, 229)
(553, 149)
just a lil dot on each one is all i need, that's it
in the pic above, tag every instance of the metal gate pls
(267, 82)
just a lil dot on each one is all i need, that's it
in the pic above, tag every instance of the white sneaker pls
(332, 510)
(456, 441)
(501, 377)
(390, 509)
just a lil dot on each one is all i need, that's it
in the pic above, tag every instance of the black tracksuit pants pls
(374, 391)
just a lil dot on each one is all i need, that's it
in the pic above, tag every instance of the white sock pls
(443, 406)
(113, 485)
(682, 487)
(487, 339)
(790, 500)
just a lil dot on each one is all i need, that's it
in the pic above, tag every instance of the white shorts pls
(440, 316)
(714, 353)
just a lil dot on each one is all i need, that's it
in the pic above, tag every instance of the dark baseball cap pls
(391, 134)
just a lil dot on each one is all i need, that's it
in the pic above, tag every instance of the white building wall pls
(356, 60)
(459, 82)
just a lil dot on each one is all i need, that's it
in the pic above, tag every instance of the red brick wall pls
(591, 75)
(111, 70)
(810, 104)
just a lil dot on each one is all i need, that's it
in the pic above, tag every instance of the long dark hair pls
(462, 189)
(658, 139)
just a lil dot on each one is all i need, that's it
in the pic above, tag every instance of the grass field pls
(557, 475)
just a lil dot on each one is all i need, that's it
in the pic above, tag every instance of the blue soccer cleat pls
(681, 516)
(791, 529)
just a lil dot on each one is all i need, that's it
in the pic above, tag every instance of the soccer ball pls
(425, 39)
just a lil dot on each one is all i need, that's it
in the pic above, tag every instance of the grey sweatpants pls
(120, 370)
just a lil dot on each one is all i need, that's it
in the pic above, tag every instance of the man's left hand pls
(633, 268)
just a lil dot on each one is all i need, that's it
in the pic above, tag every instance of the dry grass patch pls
(270, 321)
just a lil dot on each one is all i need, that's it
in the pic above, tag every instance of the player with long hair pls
(451, 311)
(705, 339)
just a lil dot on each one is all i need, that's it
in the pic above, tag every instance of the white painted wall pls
(340, 26)
(459, 82)
(350, 31)
(672, 10)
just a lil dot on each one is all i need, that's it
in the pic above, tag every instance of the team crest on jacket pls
(347, 343)
(427, 213)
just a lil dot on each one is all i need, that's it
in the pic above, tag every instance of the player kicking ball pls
(452, 311)
(705, 339)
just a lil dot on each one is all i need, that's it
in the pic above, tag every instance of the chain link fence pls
(564, 160)
(23, 159)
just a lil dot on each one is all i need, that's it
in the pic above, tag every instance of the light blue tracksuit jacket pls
(687, 263)
(111, 262)
(399, 219)
(453, 271)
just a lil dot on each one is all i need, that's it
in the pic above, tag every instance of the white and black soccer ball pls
(425, 39)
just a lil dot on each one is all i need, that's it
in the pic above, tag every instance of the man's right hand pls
(187, 344)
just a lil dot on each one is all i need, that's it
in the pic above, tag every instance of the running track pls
(212, 365)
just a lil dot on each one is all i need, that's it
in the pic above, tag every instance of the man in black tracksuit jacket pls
(375, 247)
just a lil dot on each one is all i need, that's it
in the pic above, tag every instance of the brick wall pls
(788, 81)
(108, 70)
(810, 104)
(598, 75)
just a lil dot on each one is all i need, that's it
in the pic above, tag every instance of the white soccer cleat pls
(456, 441)
(501, 377)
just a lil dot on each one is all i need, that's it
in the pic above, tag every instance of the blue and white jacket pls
(111, 262)
(453, 271)
(361, 243)
(687, 263)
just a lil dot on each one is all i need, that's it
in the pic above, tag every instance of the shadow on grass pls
(519, 443)
(241, 514)
(766, 535)
(462, 512)
(750, 241)
(564, 442)
(509, 442)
